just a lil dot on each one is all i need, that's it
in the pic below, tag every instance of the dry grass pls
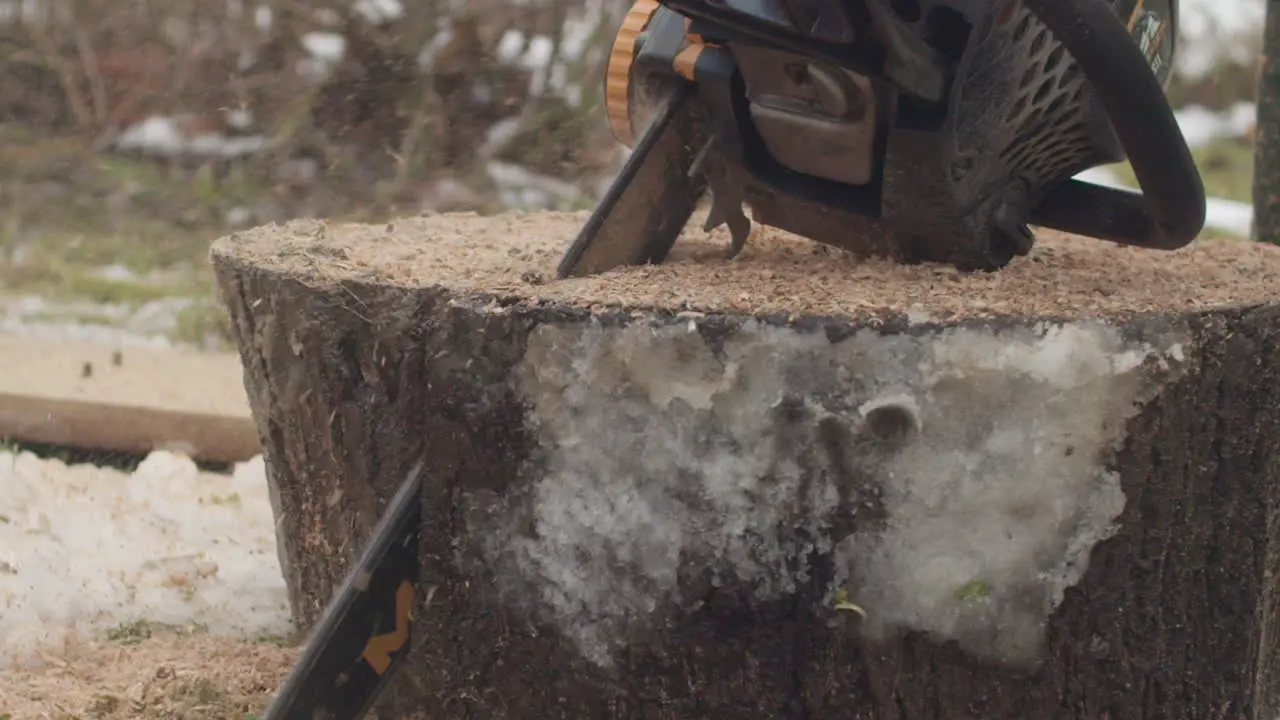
(169, 675)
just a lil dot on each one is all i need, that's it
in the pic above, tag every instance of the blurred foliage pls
(409, 103)
(134, 133)
(1227, 82)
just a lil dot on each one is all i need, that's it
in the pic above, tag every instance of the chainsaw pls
(929, 130)
(923, 130)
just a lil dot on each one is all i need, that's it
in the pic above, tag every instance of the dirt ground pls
(169, 675)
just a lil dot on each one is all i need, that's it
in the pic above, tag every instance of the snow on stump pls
(791, 485)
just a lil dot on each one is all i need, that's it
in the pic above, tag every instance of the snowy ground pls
(84, 550)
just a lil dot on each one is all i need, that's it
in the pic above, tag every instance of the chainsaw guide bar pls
(647, 206)
(364, 634)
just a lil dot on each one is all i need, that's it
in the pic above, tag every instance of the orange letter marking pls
(378, 652)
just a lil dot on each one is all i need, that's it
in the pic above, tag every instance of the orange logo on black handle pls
(380, 648)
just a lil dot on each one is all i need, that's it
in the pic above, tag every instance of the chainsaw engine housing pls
(930, 130)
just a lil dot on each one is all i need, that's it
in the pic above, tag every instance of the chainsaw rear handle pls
(1170, 211)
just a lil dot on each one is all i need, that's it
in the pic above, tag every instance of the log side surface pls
(662, 492)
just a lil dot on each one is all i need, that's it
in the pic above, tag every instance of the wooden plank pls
(132, 399)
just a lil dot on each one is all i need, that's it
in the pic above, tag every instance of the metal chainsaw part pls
(364, 634)
(651, 200)
(816, 118)
(930, 130)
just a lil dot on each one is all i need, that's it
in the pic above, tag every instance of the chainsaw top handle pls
(1170, 211)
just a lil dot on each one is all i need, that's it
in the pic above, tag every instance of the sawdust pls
(168, 675)
(515, 254)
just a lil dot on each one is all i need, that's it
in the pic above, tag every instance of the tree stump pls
(792, 485)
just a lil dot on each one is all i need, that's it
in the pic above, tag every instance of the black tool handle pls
(1170, 211)
(364, 634)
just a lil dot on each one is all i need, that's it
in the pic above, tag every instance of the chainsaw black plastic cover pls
(991, 128)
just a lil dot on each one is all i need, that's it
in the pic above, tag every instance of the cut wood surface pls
(125, 398)
(515, 254)
(1051, 491)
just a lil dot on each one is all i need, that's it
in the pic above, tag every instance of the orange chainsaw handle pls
(1170, 211)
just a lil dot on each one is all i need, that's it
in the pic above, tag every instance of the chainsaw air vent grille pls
(1046, 121)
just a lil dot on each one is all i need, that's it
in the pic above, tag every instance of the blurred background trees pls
(274, 109)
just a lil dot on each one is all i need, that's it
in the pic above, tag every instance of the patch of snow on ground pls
(166, 137)
(84, 549)
(380, 11)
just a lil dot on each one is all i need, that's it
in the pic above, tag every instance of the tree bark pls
(655, 514)
(1266, 166)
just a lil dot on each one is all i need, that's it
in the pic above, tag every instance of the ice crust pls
(964, 511)
(86, 548)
